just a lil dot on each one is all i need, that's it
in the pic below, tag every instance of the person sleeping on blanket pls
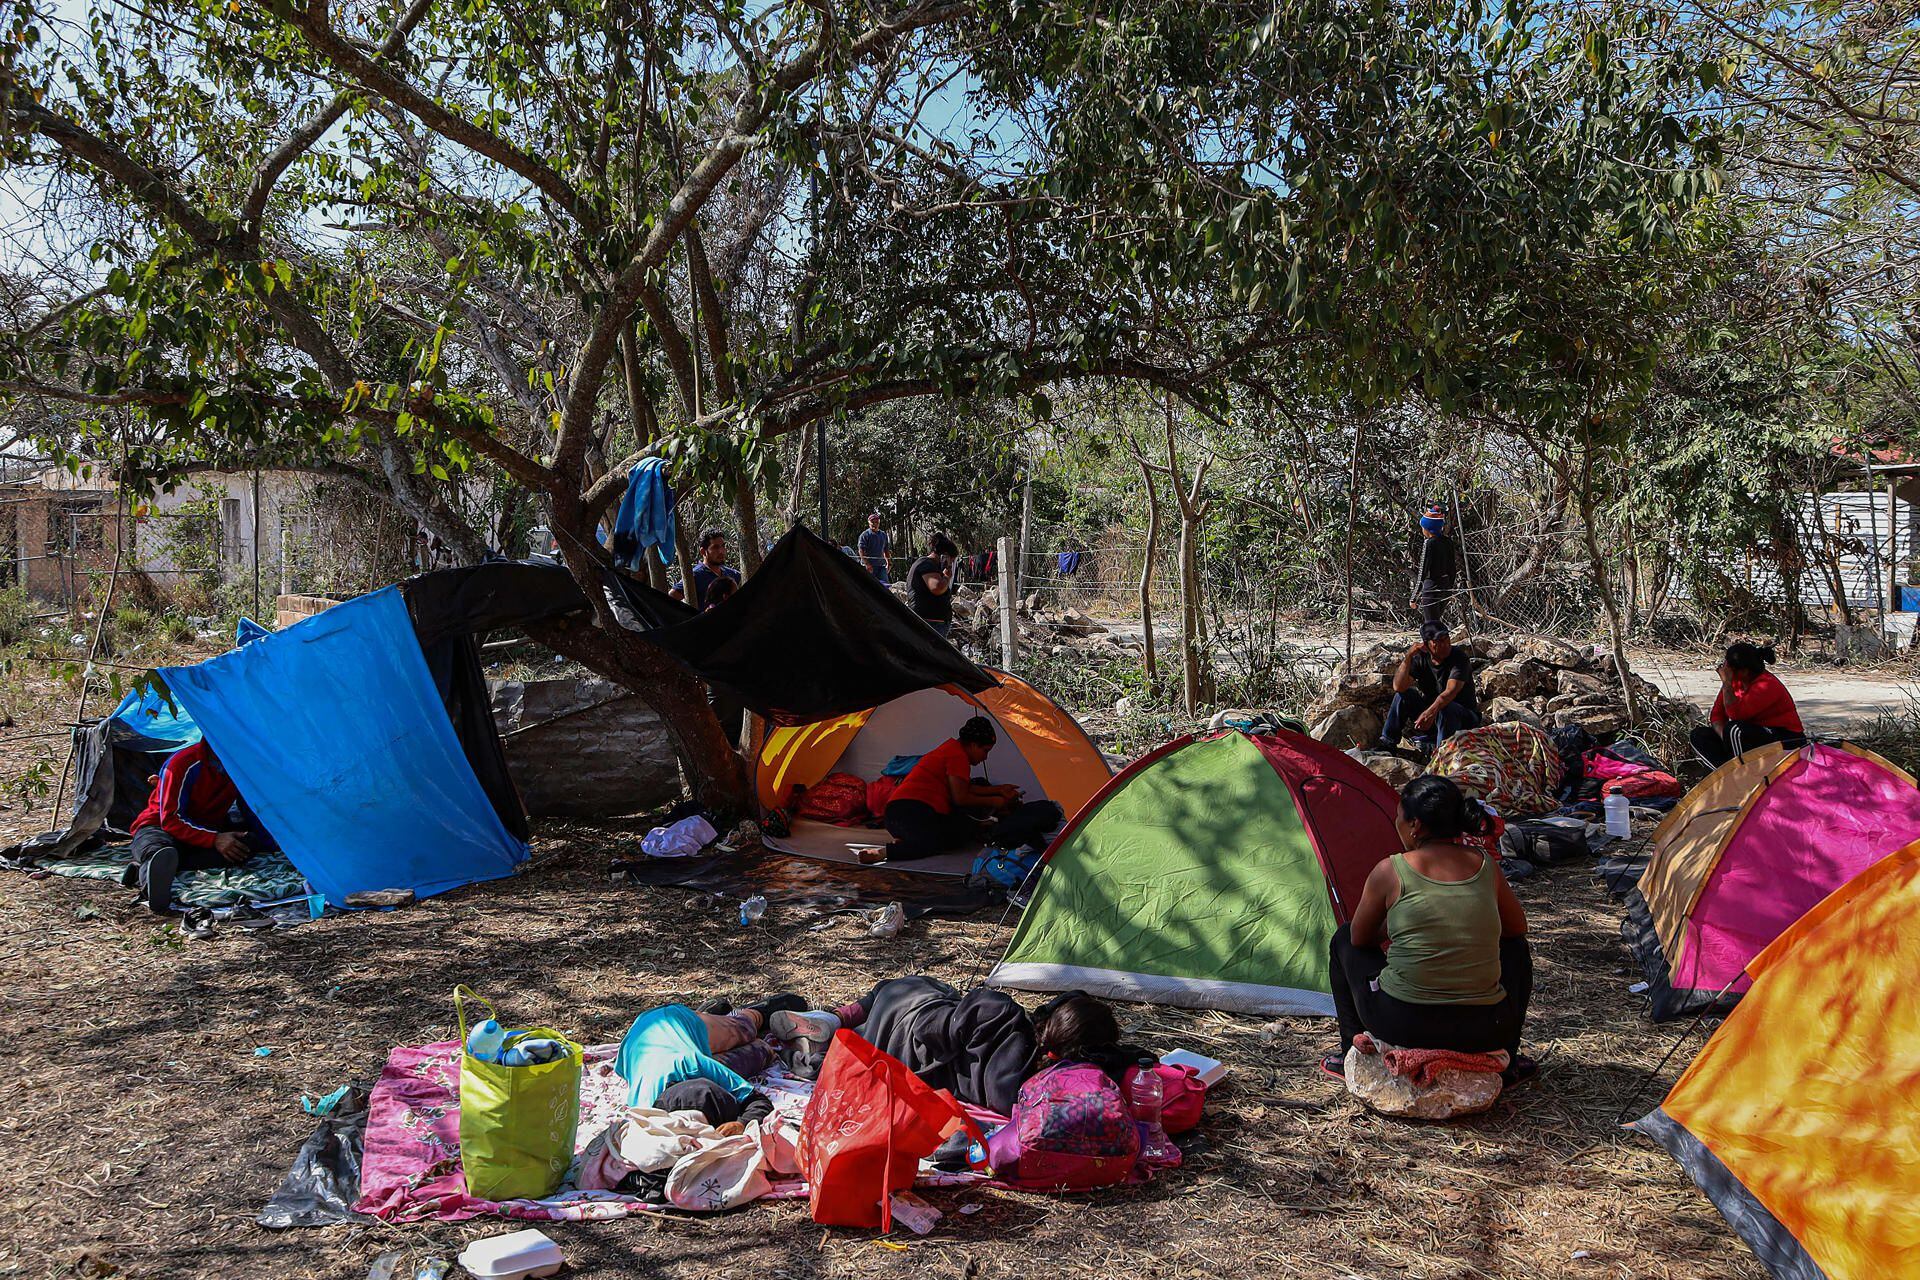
(195, 821)
(981, 1045)
(938, 807)
(680, 1059)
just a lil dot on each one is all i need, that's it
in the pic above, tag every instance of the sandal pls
(1519, 1071)
(1335, 1065)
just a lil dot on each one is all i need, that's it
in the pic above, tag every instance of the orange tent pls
(1801, 1117)
(1042, 749)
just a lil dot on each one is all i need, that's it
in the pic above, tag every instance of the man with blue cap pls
(1439, 566)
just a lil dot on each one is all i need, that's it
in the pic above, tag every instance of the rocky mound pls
(1041, 627)
(1537, 680)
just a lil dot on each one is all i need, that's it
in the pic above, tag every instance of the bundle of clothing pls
(680, 1158)
(1592, 772)
(847, 800)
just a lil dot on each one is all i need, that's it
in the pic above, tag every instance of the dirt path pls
(1829, 699)
(143, 1131)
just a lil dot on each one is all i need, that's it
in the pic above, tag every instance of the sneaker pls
(719, 1007)
(786, 1000)
(801, 1038)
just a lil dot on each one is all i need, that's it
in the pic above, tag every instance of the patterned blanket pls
(410, 1162)
(269, 877)
(1512, 767)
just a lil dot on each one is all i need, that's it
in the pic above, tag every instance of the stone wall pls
(584, 748)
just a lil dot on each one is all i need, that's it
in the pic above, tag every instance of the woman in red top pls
(939, 808)
(1752, 709)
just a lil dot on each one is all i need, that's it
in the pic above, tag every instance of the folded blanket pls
(1423, 1066)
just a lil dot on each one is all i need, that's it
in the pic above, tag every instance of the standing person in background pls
(711, 565)
(874, 545)
(930, 583)
(1752, 708)
(1437, 567)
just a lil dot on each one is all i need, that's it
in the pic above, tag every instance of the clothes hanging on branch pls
(645, 518)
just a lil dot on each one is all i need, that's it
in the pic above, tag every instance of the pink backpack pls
(1070, 1131)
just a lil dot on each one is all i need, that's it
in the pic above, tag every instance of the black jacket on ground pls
(980, 1045)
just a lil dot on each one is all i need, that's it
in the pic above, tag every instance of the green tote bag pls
(516, 1123)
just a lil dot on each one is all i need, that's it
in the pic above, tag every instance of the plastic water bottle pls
(1619, 815)
(752, 909)
(1145, 1099)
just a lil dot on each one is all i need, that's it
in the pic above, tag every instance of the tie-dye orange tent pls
(1801, 1117)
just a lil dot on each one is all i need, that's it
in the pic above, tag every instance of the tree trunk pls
(747, 511)
(1602, 580)
(717, 772)
(1149, 652)
(1190, 691)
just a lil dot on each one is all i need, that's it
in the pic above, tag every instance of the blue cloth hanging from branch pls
(645, 518)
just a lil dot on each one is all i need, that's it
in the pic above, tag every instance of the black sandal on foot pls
(1335, 1065)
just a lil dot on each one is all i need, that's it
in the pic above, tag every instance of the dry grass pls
(142, 1132)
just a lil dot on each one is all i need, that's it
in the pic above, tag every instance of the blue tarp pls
(334, 733)
(147, 712)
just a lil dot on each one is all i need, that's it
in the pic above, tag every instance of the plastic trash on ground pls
(513, 1257)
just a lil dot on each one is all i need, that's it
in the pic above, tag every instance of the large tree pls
(536, 240)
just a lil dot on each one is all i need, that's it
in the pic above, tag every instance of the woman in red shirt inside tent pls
(939, 808)
(1753, 708)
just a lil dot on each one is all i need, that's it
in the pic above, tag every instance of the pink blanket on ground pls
(410, 1161)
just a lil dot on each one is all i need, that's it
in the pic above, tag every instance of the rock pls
(1032, 603)
(1395, 771)
(1547, 649)
(1494, 650)
(1123, 707)
(1516, 678)
(1076, 623)
(1502, 710)
(1350, 726)
(1604, 722)
(1453, 1093)
(1577, 682)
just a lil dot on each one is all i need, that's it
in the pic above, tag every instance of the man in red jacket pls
(195, 821)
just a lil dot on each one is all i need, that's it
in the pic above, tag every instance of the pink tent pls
(1749, 853)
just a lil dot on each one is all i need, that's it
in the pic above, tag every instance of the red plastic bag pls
(867, 1127)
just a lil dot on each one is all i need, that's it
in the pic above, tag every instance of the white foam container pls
(512, 1257)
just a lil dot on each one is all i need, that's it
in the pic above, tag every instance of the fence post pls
(286, 561)
(1009, 633)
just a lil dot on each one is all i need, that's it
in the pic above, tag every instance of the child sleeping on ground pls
(675, 1058)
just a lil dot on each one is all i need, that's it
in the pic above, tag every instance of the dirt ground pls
(143, 1132)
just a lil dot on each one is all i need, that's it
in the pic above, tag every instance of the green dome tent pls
(1211, 873)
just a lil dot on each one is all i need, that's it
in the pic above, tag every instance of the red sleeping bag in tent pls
(839, 798)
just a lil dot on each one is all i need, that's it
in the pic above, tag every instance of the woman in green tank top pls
(1436, 956)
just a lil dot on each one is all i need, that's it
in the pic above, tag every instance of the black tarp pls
(812, 635)
(325, 1179)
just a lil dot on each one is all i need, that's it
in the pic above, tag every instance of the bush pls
(1893, 733)
(130, 622)
(17, 613)
(176, 629)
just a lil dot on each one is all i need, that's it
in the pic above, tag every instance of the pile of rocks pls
(1536, 680)
(1041, 627)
